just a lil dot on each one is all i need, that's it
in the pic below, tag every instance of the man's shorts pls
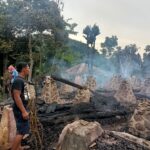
(21, 124)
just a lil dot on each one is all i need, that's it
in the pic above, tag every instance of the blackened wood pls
(68, 82)
(82, 111)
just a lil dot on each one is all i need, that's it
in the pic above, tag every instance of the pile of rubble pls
(65, 89)
(135, 82)
(79, 135)
(7, 128)
(83, 135)
(145, 89)
(114, 83)
(112, 140)
(50, 92)
(123, 98)
(70, 124)
(125, 93)
(82, 95)
(91, 83)
(139, 124)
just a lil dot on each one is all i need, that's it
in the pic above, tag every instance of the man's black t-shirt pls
(20, 84)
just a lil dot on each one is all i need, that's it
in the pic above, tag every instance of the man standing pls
(20, 97)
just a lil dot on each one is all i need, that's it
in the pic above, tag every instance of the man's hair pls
(21, 65)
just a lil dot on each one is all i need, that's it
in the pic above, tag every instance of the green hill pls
(81, 50)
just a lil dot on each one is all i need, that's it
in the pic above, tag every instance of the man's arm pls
(19, 103)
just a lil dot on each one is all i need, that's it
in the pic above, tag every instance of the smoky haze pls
(129, 20)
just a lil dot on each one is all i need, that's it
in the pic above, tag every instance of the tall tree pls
(147, 49)
(109, 45)
(90, 34)
(6, 37)
(128, 60)
(71, 27)
(146, 62)
(30, 17)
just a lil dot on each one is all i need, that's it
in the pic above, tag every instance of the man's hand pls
(25, 115)
(20, 105)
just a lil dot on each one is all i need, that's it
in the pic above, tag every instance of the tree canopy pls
(109, 45)
(33, 27)
(90, 34)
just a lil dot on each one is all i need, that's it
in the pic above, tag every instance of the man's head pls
(22, 67)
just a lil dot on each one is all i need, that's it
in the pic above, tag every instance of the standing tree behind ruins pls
(90, 34)
(146, 62)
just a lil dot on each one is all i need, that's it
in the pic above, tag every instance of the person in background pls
(20, 97)
(13, 73)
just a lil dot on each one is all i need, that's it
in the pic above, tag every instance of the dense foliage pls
(35, 31)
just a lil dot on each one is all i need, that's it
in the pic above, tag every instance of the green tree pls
(35, 17)
(127, 61)
(71, 27)
(146, 62)
(147, 49)
(109, 45)
(90, 34)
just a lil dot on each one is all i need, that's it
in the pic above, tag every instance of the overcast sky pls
(129, 20)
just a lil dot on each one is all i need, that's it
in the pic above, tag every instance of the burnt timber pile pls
(56, 117)
(112, 141)
(102, 107)
(99, 107)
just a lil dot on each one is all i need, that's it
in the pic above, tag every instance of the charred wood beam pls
(65, 113)
(138, 95)
(84, 111)
(68, 82)
(77, 85)
(132, 139)
(89, 114)
(101, 90)
(65, 117)
(71, 83)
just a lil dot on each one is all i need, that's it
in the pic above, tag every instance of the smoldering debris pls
(102, 107)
